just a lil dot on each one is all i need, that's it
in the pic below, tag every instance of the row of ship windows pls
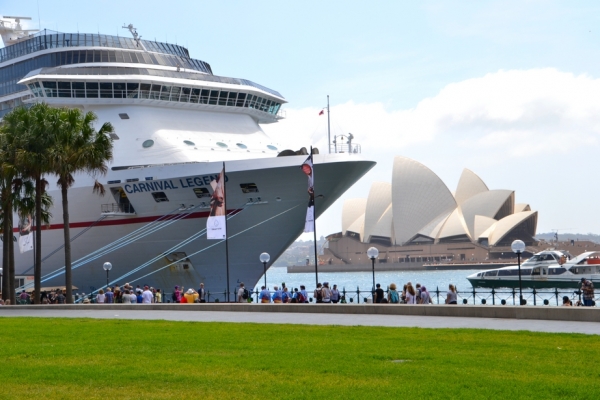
(11, 74)
(122, 90)
(50, 41)
(149, 143)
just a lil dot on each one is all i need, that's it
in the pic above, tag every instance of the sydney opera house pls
(417, 219)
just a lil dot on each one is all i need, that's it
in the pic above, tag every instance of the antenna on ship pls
(134, 33)
(12, 31)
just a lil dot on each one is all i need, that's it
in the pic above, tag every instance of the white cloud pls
(500, 124)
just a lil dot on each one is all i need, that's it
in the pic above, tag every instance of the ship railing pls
(117, 208)
(345, 148)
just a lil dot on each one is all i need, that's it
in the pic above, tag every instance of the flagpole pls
(226, 235)
(328, 130)
(315, 212)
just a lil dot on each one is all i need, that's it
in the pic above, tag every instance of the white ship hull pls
(268, 221)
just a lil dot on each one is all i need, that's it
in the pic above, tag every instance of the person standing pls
(240, 293)
(177, 295)
(100, 297)
(587, 287)
(286, 297)
(318, 293)
(202, 293)
(277, 295)
(425, 296)
(326, 293)
(109, 296)
(190, 296)
(303, 294)
(265, 296)
(393, 295)
(158, 296)
(335, 295)
(378, 294)
(411, 294)
(147, 295)
(451, 296)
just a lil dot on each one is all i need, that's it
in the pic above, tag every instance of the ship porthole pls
(148, 143)
(189, 143)
(222, 145)
(271, 147)
(241, 145)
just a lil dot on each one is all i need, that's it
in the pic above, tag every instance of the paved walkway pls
(590, 328)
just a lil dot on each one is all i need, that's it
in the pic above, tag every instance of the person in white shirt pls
(100, 297)
(147, 295)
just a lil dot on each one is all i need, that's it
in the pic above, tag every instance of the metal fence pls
(535, 297)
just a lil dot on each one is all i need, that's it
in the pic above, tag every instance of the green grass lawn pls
(124, 359)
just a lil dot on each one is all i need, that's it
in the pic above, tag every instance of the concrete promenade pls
(537, 319)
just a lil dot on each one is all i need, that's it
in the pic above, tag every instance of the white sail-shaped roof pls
(454, 227)
(418, 196)
(468, 186)
(383, 228)
(526, 221)
(352, 209)
(432, 229)
(522, 207)
(492, 204)
(482, 224)
(380, 198)
(358, 226)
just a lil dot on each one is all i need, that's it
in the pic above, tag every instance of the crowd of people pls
(323, 293)
(127, 294)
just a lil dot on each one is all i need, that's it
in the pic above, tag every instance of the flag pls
(307, 168)
(25, 235)
(322, 112)
(216, 223)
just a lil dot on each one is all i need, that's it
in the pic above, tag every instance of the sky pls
(507, 89)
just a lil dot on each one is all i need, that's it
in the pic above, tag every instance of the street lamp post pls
(107, 266)
(264, 258)
(373, 253)
(518, 246)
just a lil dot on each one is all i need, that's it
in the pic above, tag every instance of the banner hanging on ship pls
(307, 168)
(216, 227)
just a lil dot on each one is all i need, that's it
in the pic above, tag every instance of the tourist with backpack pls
(242, 294)
(303, 297)
(318, 294)
(393, 295)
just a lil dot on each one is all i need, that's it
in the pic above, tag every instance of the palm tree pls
(78, 147)
(14, 124)
(32, 158)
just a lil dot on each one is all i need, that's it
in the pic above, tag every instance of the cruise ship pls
(177, 125)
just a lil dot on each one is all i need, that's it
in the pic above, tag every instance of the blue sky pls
(506, 89)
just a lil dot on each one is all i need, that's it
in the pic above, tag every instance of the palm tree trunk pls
(5, 271)
(38, 239)
(67, 238)
(11, 261)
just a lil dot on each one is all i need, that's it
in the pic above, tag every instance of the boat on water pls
(177, 125)
(546, 269)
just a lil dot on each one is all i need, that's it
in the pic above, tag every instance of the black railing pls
(535, 297)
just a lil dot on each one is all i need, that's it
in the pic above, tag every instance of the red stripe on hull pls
(126, 221)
